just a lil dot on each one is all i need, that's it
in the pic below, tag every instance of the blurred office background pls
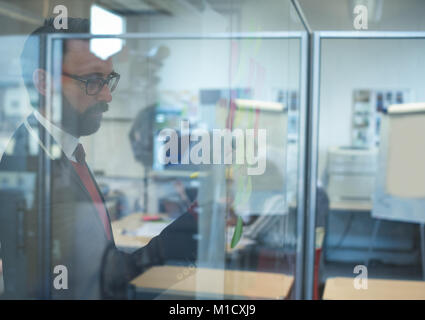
(175, 70)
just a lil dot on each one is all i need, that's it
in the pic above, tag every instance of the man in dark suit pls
(77, 235)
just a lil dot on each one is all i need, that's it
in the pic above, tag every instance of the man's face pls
(82, 113)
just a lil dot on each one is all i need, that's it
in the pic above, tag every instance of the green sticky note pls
(238, 233)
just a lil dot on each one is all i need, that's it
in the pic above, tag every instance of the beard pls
(82, 124)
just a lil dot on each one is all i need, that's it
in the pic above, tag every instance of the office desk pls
(351, 205)
(378, 289)
(340, 214)
(134, 221)
(353, 234)
(128, 224)
(191, 283)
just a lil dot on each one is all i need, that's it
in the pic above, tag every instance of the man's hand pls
(117, 271)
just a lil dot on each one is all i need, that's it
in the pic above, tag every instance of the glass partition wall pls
(366, 165)
(195, 144)
(221, 151)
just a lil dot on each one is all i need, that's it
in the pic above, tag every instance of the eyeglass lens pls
(94, 86)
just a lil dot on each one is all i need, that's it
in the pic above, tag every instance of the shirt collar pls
(67, 142)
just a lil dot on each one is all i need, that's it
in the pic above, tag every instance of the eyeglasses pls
(95, 85)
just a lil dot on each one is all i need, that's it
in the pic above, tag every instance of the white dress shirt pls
(66, 141)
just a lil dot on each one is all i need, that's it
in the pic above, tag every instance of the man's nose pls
(105, 94)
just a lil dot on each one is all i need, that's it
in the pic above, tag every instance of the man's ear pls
(39, 78)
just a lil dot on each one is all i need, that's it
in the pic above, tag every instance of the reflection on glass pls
(177, 180)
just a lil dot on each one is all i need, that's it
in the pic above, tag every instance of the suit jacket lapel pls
(77, 180)
(62, 169)
(61, 165)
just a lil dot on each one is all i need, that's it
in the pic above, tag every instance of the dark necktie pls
(80, 154)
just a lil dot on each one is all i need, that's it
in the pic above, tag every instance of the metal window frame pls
(44, 171)
(303, 109)
(183, 36)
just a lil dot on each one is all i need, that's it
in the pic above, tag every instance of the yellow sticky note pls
(194, 175)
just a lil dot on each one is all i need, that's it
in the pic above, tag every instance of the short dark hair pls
(33, 53)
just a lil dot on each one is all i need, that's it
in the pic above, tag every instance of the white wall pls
(361, 64)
